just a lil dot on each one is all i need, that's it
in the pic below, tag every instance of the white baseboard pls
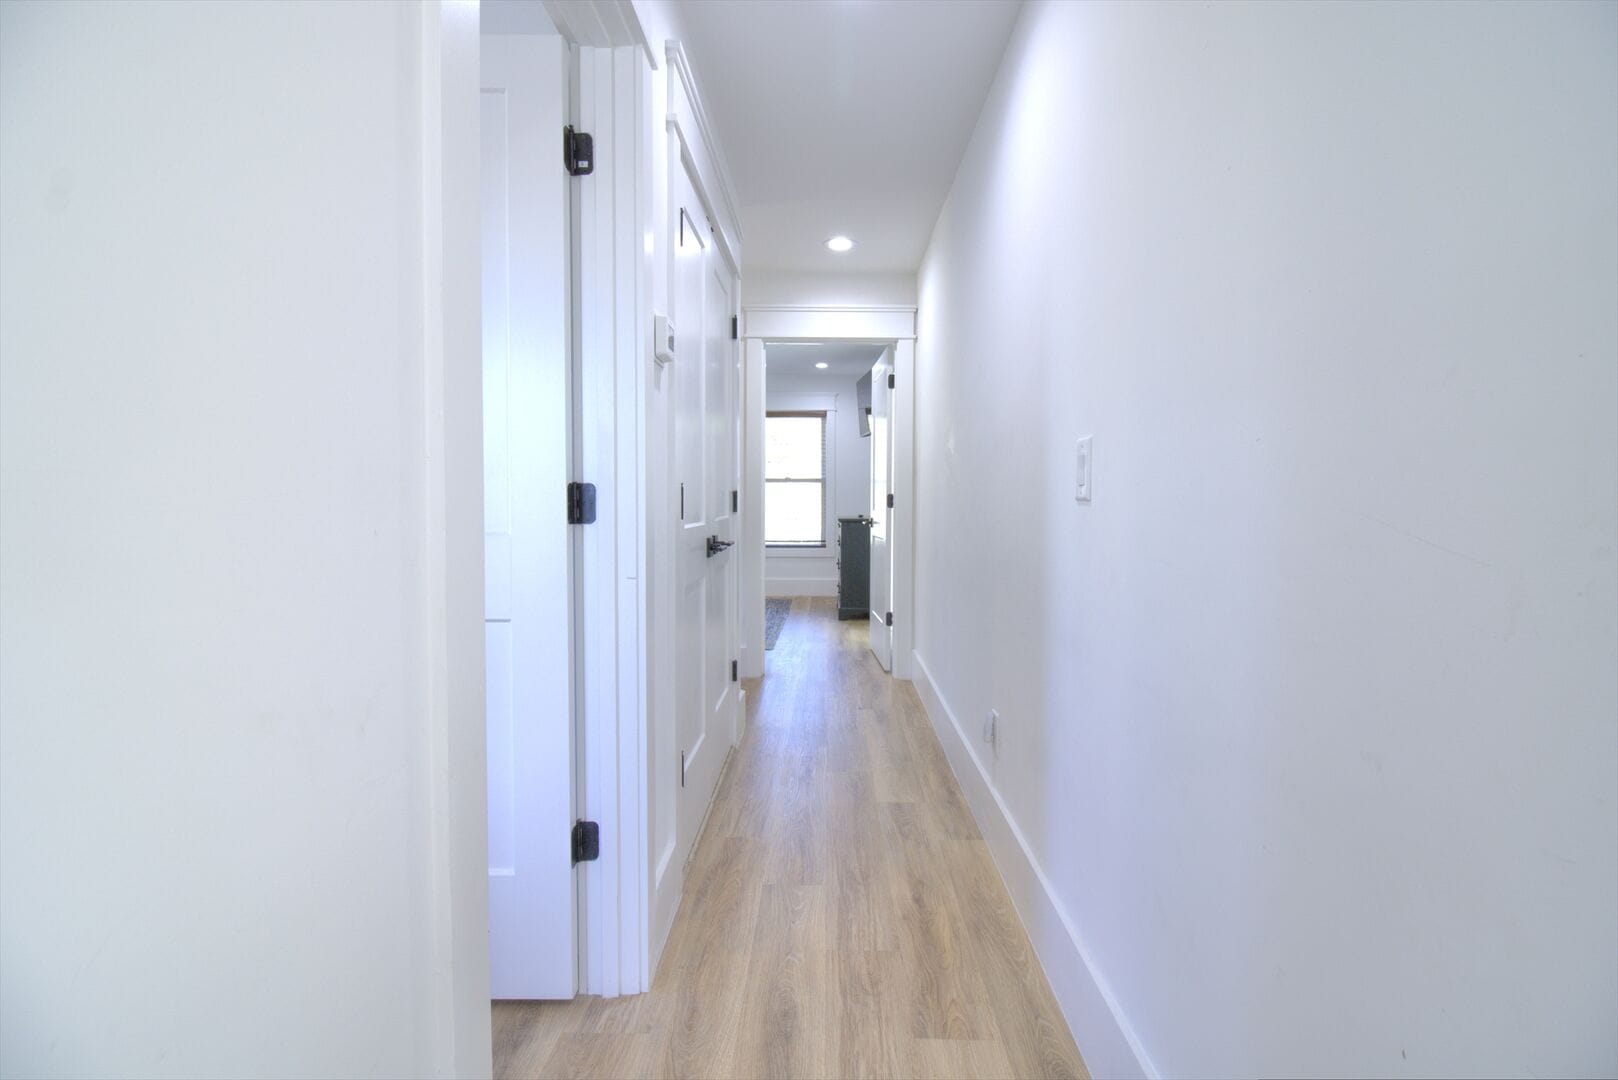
(1099, 1028)
(806, 586)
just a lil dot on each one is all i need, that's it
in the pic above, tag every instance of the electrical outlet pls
(991, 729)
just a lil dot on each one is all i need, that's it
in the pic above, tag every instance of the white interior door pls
(706, 433)
(528, 592)
(881, 514)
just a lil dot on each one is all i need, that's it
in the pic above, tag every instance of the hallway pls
(842, 917)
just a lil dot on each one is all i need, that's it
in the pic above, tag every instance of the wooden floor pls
(841, 918)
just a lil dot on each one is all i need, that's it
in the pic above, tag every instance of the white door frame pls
(689, 144)
(876, 325)
(624, 96)
(455, 810)
(614, 208)
(612, 321)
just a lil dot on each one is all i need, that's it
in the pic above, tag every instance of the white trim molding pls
(457, 824)
(902, 523)
(798, 323)
(689, 128)
(600, 23)
(750, 588)
(1103, 1034)
(612, 322)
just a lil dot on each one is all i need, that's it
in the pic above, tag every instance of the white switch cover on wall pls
(1081, 490)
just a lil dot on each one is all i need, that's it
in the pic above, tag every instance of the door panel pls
(720, 431)
(527, 586)
(881, 516)
(706, 423)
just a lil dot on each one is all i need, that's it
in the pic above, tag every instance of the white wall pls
(770, 288)
(230, 811)
(1310, 720)
(813, 572)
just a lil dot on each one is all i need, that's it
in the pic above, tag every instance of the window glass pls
(795, 479)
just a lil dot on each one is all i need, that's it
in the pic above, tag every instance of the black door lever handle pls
(716, 545)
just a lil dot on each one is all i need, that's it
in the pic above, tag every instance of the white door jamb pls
(454, 819)
(612, 316)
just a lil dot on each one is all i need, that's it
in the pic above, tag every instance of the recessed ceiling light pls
(840, 244)
(820, 364)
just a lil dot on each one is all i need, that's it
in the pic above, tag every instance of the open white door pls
(881, 513)
(528, 597)
(706, 431)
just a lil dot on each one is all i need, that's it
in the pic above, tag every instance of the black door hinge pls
(682, 502)
(888, 618)
(890, 500)
(890, 380)
(682, 768)
(579, 151)
(733, 676)
(586, 842)
(581, 504)
(735, 500)
(735, 328)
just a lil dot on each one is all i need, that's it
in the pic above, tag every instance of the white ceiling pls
(514, 17)
(841, 360)
(843, 116)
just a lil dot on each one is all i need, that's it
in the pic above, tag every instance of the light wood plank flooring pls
(842, 916)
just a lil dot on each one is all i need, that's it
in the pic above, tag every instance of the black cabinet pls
(853, 567)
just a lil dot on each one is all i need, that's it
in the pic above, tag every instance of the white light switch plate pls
(1081, 490)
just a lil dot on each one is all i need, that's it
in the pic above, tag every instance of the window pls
(795, 479)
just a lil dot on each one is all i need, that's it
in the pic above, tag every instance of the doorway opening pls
(827, 461)
(828, 473)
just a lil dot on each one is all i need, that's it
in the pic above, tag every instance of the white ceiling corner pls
(843, 116)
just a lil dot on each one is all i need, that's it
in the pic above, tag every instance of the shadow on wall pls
(1306, 719)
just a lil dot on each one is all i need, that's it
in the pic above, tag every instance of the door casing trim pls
(872, 324)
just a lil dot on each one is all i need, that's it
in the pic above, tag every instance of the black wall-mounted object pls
(586, 842)
(862, 401)
(581, 504)
(579, 151)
